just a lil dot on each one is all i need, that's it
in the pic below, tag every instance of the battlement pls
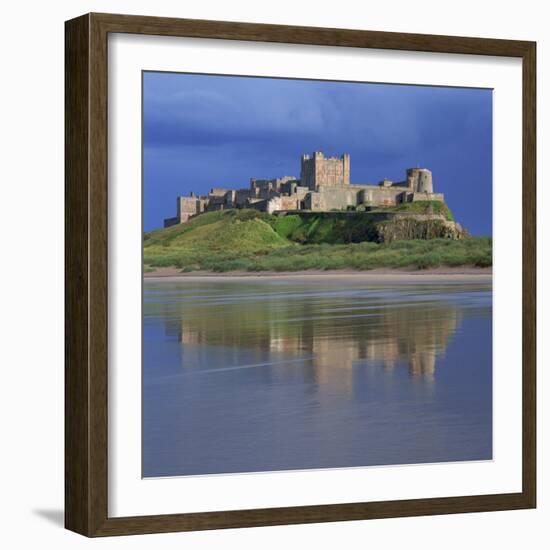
(321, 155)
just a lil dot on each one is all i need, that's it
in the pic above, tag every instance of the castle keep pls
(320, 172)
(324, 185)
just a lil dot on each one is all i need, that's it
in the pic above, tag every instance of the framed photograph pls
(300, 275)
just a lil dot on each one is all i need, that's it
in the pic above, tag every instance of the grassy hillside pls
(211, 238)
(254, 241)
(333, 228)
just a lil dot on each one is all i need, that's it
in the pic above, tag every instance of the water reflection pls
(320, 356)
(335, 329)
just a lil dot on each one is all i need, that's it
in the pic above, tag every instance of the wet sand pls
(460, 273)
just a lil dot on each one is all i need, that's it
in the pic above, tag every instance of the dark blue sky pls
(203, 131)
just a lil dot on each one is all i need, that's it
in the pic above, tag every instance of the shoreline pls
(470, 273)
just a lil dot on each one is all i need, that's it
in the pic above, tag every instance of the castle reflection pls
(330, 334)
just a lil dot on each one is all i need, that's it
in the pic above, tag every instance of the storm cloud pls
(201, 131)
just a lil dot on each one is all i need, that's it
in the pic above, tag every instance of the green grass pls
(247, 240)
(333, 228)
(365, 256)
(421, 207)
(211, 238)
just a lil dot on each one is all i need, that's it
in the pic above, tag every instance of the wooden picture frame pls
(86, 283)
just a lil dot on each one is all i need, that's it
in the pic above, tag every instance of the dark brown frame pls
(86, 274)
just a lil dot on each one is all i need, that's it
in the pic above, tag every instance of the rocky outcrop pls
(419, 227)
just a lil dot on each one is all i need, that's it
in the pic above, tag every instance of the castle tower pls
(425, 184)
(420, 180)
(320, 171)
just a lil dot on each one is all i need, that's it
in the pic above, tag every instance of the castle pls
(324, 185)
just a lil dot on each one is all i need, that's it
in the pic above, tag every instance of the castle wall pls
(218, 191)
(241, 197)
(283, 203)
(380, 196)
(186, 207)
(413, 197)
(292, 187)
(262, 188)
(216, 202)
(259, 204)
(330, 198)
(230, 199)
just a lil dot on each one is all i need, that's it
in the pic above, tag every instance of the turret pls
(425, 184)
(420, 180)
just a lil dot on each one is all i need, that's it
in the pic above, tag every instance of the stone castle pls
(324, 185)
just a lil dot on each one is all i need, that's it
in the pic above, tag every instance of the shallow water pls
(277, 374)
